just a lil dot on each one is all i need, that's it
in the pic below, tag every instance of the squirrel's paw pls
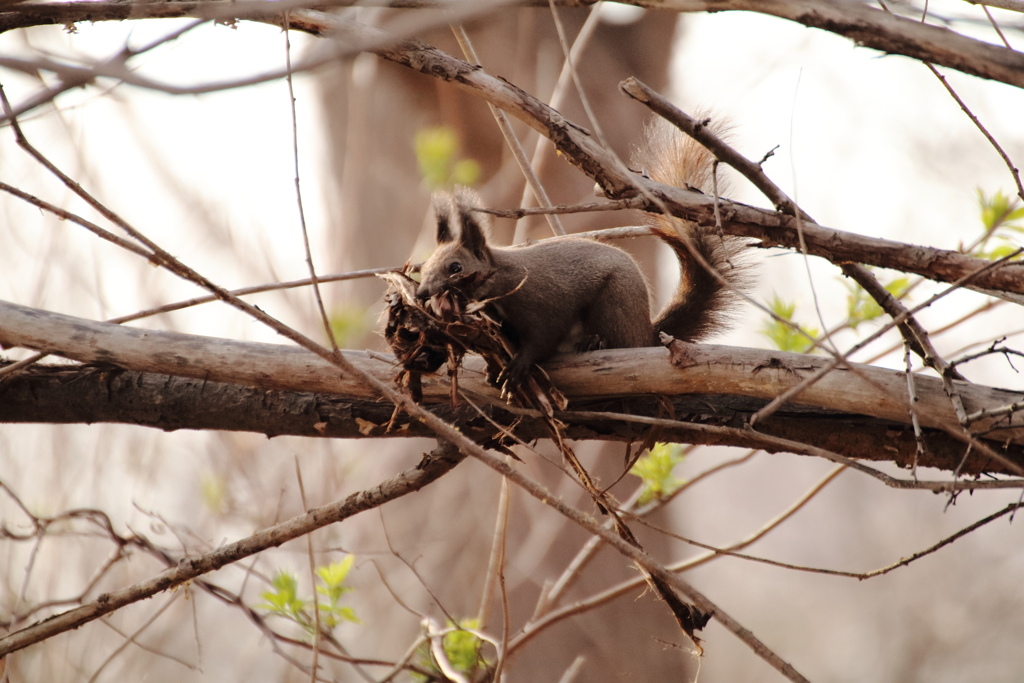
(514, 377)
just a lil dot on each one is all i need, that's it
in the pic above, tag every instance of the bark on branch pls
(878, 29)
(860, 411)
(858, 21)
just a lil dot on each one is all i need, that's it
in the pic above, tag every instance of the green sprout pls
(999, 214)
(461, 649)
(655, 472)
(332, 588)
(787, 337)
(861, 308)
(284, 600)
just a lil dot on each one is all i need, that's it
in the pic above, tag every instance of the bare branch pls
(1014, 171)
(427, 471)
(1012, 5)
(868, 26)
(577, 146)
(351, 409)
(280, 367)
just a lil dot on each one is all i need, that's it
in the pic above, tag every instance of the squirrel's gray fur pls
(575, 294)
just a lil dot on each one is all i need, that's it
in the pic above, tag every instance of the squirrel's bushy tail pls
(702, 302)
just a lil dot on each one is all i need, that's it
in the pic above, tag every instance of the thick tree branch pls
(88, 394)
(178, 355)
(596, 380)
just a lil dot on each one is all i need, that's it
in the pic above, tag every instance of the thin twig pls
(730, 552)
(995, 26)
(130, 639)
(311, 563)
(495, 556)
(770, 442)
(542, 148)
(912, 331)
(65, 215)
(533, 628)
(912, 400)
(753, 172)
(328, 328)
(789, 394)
(409, 481)
(552, 595)
(536, 625)
(514, 145)
(1014, 171)
(506, 616)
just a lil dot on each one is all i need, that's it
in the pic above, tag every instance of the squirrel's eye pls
(454, 267)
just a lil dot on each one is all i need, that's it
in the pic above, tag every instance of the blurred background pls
(865, 143)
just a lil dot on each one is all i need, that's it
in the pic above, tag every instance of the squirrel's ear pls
(473, 225)
(443, 206)
(472, 234)
(458, 221)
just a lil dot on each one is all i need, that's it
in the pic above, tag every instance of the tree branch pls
(858, 21)
(429, 470)
(576, 144)
(328, 403)
(868, 26)
(94, 394)
(771, 228)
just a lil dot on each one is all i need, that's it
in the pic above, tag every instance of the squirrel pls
(576, 294)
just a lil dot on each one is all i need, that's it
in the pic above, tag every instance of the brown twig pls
(441, 461)
(328, 328)
(536, 626)
(911, 330)
(542, 620)
(1014, 171)
(771, 442)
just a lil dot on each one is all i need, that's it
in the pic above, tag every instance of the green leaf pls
(862, 308)
(463, 648)
(333, 587)
(655, 472)
(284, 600)
(335, 573)
(332, 615)
(333, 577)
(1000, 214)
(784, 337)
